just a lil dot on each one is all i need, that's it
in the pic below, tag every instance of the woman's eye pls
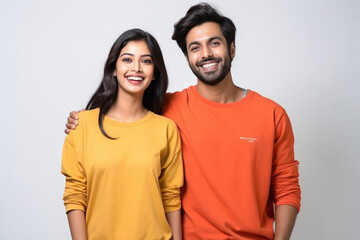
(127, 60)
(147, 61)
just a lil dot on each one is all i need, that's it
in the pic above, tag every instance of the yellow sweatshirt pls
(126, 185)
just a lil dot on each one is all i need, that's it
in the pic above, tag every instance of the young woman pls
(123, 164)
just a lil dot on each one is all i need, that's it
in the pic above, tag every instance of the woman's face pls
(134, 68)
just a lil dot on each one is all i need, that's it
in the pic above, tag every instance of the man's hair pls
(197, 15)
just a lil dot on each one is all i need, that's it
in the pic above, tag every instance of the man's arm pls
(174, 220)
(285, 178)
(285, 216)
(77, 224)
(72, 121)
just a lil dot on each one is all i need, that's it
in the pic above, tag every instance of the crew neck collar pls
(129, 124)
(195, 92)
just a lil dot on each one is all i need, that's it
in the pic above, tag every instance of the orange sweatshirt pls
(239, 164)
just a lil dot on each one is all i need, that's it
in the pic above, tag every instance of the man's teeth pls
(136, 78)
(209, 65)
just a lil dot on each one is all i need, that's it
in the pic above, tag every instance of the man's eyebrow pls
(193, 43)
(215, 38)
(208, 40)
(130, 54)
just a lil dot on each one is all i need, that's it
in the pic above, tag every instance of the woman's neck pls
(127, 108)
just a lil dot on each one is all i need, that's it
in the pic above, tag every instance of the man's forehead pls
(204, 32)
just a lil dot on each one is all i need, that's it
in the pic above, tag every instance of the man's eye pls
(194, 49)
(215, 43)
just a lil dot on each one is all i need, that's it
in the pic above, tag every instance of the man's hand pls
(72, 121)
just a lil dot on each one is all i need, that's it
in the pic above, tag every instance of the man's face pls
(208, 54)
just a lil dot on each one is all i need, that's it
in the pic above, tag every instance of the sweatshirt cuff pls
(70, 207)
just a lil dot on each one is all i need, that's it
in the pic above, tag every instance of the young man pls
(237, 145)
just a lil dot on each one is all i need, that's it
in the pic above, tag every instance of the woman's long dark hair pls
(106, 94)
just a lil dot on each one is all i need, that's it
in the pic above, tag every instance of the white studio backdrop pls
(303, 54)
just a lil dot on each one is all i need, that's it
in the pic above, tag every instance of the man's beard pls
(212, 78)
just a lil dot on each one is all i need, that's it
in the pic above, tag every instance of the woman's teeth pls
(135, 78)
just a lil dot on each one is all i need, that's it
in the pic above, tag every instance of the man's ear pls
(232, 50)
(186, 57)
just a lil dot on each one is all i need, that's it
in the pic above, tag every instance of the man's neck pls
(223, 92)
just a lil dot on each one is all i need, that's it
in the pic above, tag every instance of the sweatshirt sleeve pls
(75, 185)
(285, 174)
(171, 178)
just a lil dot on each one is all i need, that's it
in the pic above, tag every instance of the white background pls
(304, 54)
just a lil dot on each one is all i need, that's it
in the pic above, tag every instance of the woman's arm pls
(77, 224)
(171, 180)
(174, 220)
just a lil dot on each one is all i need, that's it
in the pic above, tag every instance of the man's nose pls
(207, 52)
